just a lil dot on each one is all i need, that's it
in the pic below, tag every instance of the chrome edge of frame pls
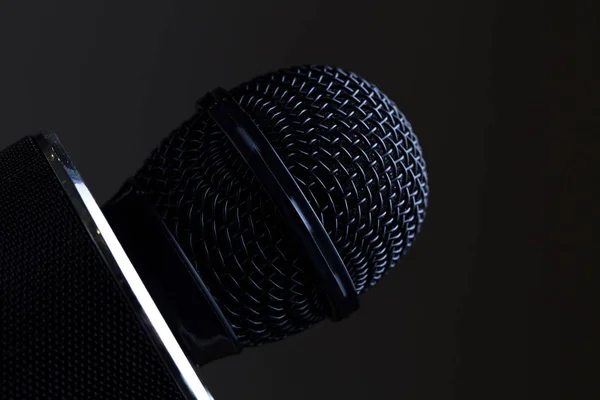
(128, 280)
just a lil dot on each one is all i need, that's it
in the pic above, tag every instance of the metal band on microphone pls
(271, 172)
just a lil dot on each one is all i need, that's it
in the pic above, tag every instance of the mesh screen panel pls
(66, 330)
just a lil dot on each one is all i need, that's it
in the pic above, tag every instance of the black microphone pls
(273, 207)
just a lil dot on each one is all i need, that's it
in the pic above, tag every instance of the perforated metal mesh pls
(66, 331)
(354, 155)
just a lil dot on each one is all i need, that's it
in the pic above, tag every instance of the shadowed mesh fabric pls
(66, 331)
(353, 154)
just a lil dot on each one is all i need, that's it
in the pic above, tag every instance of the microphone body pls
(275, 206)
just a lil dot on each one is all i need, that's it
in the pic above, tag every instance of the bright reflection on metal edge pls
(143, 296)
(109, 245)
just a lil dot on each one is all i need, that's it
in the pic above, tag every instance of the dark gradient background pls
(478, 309)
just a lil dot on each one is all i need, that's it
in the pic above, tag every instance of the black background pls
(480, 306)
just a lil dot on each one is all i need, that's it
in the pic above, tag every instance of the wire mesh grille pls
(353, 154)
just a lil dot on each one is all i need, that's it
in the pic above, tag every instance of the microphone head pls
(352, 153)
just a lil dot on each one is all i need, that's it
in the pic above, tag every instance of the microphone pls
(273, 207)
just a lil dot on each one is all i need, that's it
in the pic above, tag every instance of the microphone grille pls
(356, 159)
